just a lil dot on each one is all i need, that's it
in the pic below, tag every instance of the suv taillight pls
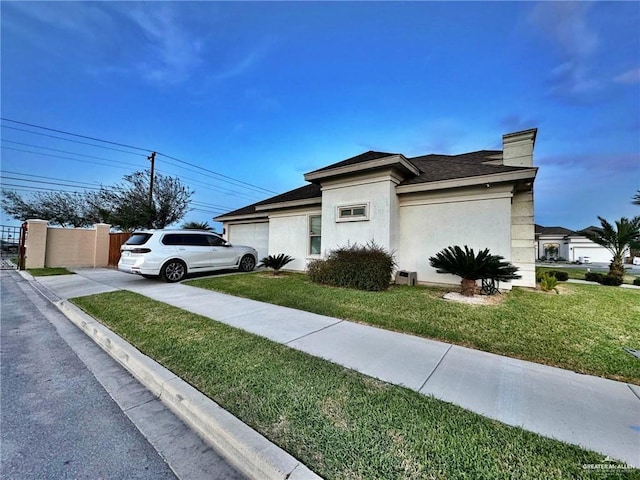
(140, 250)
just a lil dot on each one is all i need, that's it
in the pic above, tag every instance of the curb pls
(247, 450)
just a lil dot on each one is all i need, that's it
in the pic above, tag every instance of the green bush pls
(636, 281)
(548, 282)
(611, 280)
(560, 276)
(593, 277)
(367, 267)
(601, 278)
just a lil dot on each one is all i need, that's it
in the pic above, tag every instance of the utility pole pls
(152, 159)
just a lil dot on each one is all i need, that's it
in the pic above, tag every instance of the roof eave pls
(243, 216)
(395, 161)
(524, 174)
(290, 204)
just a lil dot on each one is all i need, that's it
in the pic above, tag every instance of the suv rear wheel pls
(173, 271)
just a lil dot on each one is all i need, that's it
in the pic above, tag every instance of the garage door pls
(597, 254)
(255, 235)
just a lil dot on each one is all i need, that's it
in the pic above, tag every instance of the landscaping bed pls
(578, 273)
(585, 329)
(338, 422)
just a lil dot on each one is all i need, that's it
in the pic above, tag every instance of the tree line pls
(127, 205)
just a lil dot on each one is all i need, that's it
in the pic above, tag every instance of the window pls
(185, 239)
(315, 234)
(352, 213)
(138, 239)
(215, 241)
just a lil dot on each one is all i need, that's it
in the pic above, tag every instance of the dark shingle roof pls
(432, 168)
(301, 193)
(540, 230)
(446, 167)
(363, 157)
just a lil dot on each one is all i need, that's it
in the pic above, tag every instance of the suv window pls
(186, 239)
(138, 239)
(215, 241)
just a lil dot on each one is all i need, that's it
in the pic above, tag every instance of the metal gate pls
(12, 242)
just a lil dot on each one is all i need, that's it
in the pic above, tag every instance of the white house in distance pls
(559, 242)
(414, 207)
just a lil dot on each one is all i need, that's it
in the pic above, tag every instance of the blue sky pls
(264, 92)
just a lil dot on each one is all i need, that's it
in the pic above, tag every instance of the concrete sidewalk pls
(595, 413)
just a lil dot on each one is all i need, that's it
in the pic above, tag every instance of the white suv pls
(172, 254)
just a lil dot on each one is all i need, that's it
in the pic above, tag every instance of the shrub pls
(601, 278)
(611, 280)
(548, 282)
(471, 267)
(636, 281)
(593, 277)
(366, 267)
(560, 276)
(276, 262)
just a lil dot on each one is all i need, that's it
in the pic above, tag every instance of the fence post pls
(36, 247)
(101, 252)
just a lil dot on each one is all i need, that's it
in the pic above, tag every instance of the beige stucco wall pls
(289, 234)
(523, 244)
(66, 247)
(378, 193)
(430, 222)
(36, 244)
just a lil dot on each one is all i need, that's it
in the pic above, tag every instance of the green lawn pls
(578, 273)
(45, 272)
(583, 329)
(340, 423)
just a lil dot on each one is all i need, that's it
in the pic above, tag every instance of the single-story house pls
(414, 207)
(559, 242)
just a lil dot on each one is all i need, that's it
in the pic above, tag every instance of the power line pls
(74, 141)
(76, 135)
(48, 183)
(64, 151)
(69, 158)
(41, 176)
(227, 178)
(217, 174)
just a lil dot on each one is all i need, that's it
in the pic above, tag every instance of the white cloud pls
(171, 52)
(630, 76)
(565, 25)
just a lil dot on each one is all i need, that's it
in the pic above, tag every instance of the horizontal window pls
(353, 213)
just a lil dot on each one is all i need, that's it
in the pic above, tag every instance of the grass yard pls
(45, 272)
(578, 273)
(584, 329)
(340, 423)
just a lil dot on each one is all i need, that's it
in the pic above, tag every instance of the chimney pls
(517, 148)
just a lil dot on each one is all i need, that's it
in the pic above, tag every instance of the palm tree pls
(276, 262)
(616, 240)
(636, 198)
(197, 226)
(471, 267)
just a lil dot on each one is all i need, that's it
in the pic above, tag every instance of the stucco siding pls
(381, 200)
(289, 234)
(427, 228)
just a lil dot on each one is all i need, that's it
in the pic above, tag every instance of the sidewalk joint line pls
(315, 331)
(141, 403)
(435, 368)
(634, 392)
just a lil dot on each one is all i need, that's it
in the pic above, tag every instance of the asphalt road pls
(58, 421)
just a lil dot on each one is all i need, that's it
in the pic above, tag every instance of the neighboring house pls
(414, 207)
(559, 242)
